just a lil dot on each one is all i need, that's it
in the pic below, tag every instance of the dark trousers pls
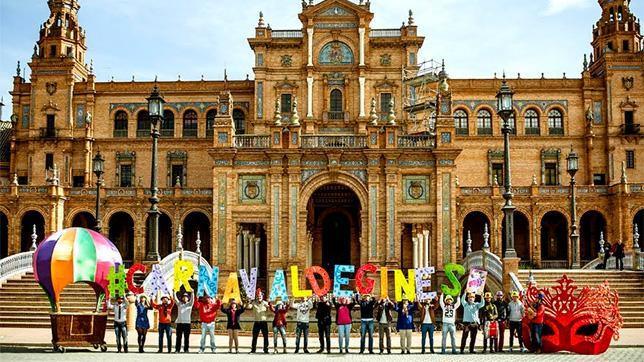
(427, 329)
(260, 327)
(619, 263)
(469, 328)
(120, 329)
(499, 344)
(515, 327)
(606, 257)
(165, 328)
(536, 330)
(183, 330)
(302, 328)
(324, 334)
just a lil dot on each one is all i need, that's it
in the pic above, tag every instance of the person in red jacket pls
(279, 324)
(536, 323)
(208, 309)
(165, 320)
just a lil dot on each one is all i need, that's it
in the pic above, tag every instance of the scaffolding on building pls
(421, 89)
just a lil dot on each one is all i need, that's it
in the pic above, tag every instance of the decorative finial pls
(373, 114)
(410, 20)
(179, 78)
(15, 179)
(179, 239)
(198, 242)
(494, 75)
(54, 179)
(278, 114)
(295, 118)
(91, 66)
(202, 77)
(531, 279)
(585, 61)
(564, 75)
(456, 182)
(391, 118)
(503, 74)
(486, 238)
(261, 23)
(112, 79)
(132, 78)
(35, 54)
(543, 76)
(34, 237)
(469, 243)
(496, 180)
(518, 75)
(624, 178)
(177, 181)
(155, 78)
(601, 242)
(534, 180)
(18, 69)
(636, 238)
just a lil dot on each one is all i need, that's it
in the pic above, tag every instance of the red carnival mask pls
(581, 322)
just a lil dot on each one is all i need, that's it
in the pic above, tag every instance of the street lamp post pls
(573, 167)
(505, 110)
(155, 111)
(98, 166)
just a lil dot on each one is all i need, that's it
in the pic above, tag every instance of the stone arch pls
(27, 221)
(554, 236)
(195, 221)
(474, 222)
(591, 224)
(638, 220)
(84, 219)
(121, 227)
(4, 235)
(73, 213)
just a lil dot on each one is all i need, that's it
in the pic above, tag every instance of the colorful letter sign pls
(278, 289)
(423, 281)
(476, 281)
(117, 281)
(130, 278)
(310, 274)
(249, 284)
(183, 270)
(404, 285)
(452, 272)
(295, 285)
(363, 284)
(232, 289)
(208, 283)
(339, 281)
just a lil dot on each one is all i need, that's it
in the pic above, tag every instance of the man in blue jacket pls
(470, 319)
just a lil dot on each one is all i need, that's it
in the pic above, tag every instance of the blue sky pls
(195, 37)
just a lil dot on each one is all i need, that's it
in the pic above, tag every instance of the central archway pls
(334, 224)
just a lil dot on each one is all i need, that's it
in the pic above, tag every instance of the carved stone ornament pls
(51, 87)
(251, 190)
(286, 60)
(628, 83)
(385, 59)
(416, 190)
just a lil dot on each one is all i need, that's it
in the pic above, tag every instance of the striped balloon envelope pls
(74, 255)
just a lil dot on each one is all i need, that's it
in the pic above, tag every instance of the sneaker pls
(200, 350)
(346, 350)
(523, 350)
(320, 350)
(306, 351)
(213, 349)
(297, 350)
(274, 350)
(510, 349)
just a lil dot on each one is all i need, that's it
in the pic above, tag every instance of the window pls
(49, 161)
(555, 122)
(69, 52)
(126, 176)
(385, 103)
(23, 180)
(120, 124)
(484, 122)
(190, 124)
(78, 181)
(167, 127)
(599, 179)
(260, 60)
(51, 122)
(630, 159)
(177, 173)
(412, 58)
(143, 125)
(550, 174)
(628, 117)
(336, 101)
(531, 122)
(52, 51)
(460, 122)
(286, 103)
(210, 122)
(513, 124)
(626, 46)
(497, 173)
(240, 121)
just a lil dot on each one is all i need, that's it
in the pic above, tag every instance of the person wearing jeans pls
(120, 327)
(367, 304)
(184, 311)
(471, 320)
(260, 308)
(516, 312)
(165, 320)
(536, 323)
(323, 315)
(502, 310)
(208, 309)
(303, 310)
(383, 316)
(449, 320)
(343, 319)
(427, 320)
(405, 323)
(279, 324)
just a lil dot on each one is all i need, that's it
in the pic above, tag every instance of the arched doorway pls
(121, 234)
(639, 221)
(84, 220)
(475, 223)
(29, 219)
(166, 239)
(334, 225)
(521, 237)
(591, 225)
(197, 221)
(4, 235)
(554, 239)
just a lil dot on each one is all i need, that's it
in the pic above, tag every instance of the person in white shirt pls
(303, 310)
(120, 327)
(427, 309)
(517, 311)
(449, 320)
(184, 312)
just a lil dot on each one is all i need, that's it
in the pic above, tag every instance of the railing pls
(628, 262)
(169, 133)
(385, 33)
(419, 141)
(142, 133)
(196, 192)
(16, 264)
(120, 133)
(47, 132)
(335, 116)
(252, 141)
(484, 131)
(486, 190)
(554, 190)
(630, 129)
(167, 266)
(516, 283)
(82, 191)
(532, 131)
(484, 259)
(333, 141)
(555, 264)
(286, 33)
(190, 133)
(210, 132)
(637, 187)
(121, 192)
(556, 131)
(32, 189)
(462, 132)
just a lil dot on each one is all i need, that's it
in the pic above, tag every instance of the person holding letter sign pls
(449, 320)
(427, 322)
(367, 304)
(233, 313)
(405, 324)
(471, 320)
(260, 307)
(303, 309)
(208, 309)
(184, 312)
(165, 320)
(323, 315)
(383, 315)
(343, 309)
(279, 324)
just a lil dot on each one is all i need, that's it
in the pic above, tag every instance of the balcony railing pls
(252, 141)
(335, 116)
(286, 33)
(47, 132)
(421, 141)
(120, 133)
(169, 133)
(461, 132)
(334, 141)
(532, 131)
(142, 133)
(630, 129)
(210, 132)
(484, 131)
(190, 133)
(556, 131)
(385, 33)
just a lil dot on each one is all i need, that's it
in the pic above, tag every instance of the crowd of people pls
(491, 316)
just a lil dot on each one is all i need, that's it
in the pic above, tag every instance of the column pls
(361, 31)
(240, 242)
(361, 80)
(245, 247)
(415, 253)
(309, 97)
(251, 251)
(257, 241)
(309, 32)
(426, 244)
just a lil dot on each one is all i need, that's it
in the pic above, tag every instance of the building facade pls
(344, 148)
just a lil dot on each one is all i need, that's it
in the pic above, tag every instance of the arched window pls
(120, 124)
(240, 121)
(620, 14)
(612, 15)
(167, 127)
(210, 122)
(531, 122)
(142, 124)
(460, 122)
(190, 124)
(335, 106)
(484, 122)
(555, 122)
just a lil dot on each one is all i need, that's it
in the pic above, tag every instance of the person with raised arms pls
(343, 308)
(183, 321)
(471, 319)
(208, 309)
(449, 320)
(279, 324)
(303, 309)
(165, 320)
(233, 313)
(260, 308)
(405, 323)
(120, 327)
(427, 322)
(323, 315)
(367, 304)
(383, 315)
(516, 312)
(142, 321)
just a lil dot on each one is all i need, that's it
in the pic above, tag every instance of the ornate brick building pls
(344, 148)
